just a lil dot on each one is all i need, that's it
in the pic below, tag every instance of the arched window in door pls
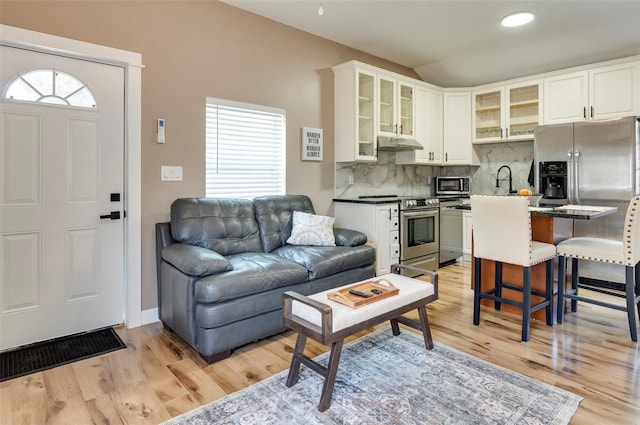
(50, 86)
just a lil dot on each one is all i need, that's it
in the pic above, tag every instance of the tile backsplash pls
(517, 155)
(384, 177)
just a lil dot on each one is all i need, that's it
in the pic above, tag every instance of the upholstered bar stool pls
(625, 252)
(502, 233)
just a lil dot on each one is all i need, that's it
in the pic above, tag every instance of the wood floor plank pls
(66, 405)
(196, 381)
(103, 411)
(159, 376)
(29, 400)
(137, 404)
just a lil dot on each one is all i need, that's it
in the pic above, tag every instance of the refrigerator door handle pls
(569, 193)
(576, 176)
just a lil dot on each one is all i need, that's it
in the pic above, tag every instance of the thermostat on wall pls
(160, 130)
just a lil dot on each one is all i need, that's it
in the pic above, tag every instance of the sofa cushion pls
(226, 226)
(274, 215)
(324, 261)
(195, 260)
(311, 229)
(252, 273)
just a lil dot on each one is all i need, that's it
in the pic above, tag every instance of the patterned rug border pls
(565, 414)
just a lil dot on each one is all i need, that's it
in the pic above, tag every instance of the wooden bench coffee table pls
(329, 322)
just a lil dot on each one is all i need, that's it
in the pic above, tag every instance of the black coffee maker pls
(553, 179)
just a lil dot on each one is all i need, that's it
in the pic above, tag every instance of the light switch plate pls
(171, 173)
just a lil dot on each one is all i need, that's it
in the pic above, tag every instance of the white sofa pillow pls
(310, 229)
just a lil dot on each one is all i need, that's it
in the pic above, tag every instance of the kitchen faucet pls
(511, 189)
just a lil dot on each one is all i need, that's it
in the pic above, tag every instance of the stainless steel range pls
(419, 232)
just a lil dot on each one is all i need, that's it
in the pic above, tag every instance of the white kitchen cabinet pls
(380, 222)
(597, 93)
(467, 227)
(457, 147)
(355, 114)
(507, 114)
(428, 128)
(396, 107)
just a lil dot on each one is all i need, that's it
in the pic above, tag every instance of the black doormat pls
(57, 352)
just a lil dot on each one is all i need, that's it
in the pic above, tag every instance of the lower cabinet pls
(380, 222)
(466, 235)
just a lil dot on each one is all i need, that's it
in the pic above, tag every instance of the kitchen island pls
(548, 225)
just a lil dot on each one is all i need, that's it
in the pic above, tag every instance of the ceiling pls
(460, 43)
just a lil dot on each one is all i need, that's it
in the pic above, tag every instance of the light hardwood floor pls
(158, 376)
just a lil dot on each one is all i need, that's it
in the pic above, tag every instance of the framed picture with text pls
(311, 144)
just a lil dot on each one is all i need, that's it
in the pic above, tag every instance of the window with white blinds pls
(245, 150)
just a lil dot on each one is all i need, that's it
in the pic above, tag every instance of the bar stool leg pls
(574, 283)
(526, 302)
(637, 285)
(631, 307)
(476, 290)
(498, 285)
(549, 295)
(562, 286)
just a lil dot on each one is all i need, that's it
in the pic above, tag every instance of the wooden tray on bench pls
(343, 296)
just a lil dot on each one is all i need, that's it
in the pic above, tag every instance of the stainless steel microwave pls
(453, 186)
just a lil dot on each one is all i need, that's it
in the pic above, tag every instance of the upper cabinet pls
(355, 114)
(396, 107)
(505, 114)
(368, 103)
(457, 146)
(372, 102)
(428, 128)
(597, 93)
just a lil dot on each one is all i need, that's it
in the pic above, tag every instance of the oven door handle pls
(420, 214)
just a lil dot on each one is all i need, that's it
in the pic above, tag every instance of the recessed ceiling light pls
(517, 19)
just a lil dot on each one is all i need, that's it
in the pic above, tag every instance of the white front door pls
(61, 169)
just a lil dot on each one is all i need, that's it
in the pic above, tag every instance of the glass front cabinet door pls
(506, 114)
(366, 114)
(524, 111)
(488, 116)
(395, 108)
(406, 112)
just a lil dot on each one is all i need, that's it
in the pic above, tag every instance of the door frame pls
(132, 64)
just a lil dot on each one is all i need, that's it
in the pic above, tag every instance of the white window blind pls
(245, 150)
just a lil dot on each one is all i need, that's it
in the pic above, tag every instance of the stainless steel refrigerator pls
(589, 163)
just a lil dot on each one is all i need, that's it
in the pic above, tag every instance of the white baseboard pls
(149, 316)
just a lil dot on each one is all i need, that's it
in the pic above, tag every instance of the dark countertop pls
(582, 212)
(372, 200)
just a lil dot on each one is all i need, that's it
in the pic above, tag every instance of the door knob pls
(113, 215)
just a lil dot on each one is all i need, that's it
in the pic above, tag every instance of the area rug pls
(56, 352)
(384, 379)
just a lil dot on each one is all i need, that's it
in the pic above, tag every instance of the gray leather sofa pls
(223, 265)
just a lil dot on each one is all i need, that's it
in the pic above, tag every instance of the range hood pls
(398, 144)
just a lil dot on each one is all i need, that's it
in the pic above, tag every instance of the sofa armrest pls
(348, 237)
(195, 260)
